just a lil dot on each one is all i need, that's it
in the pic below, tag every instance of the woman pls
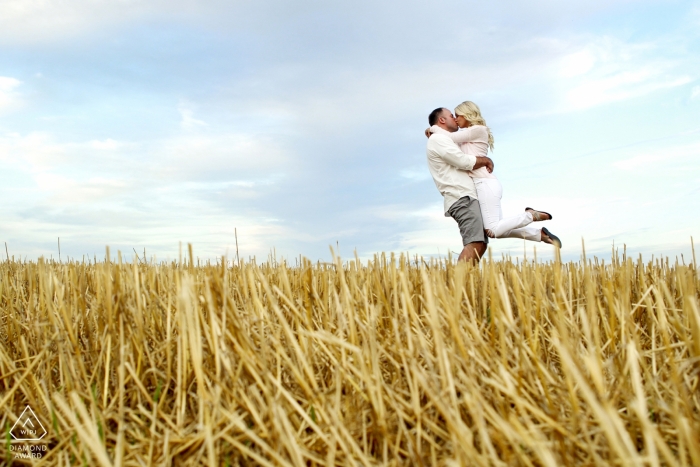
(475, 138)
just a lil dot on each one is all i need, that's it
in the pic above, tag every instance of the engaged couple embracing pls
(457, 159)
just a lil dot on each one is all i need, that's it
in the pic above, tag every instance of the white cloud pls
(608, 70)
(63, 173)
(8, 95)
(214, 167)
(328, 97)
(107, 144)
(35, 151)
(577, 63)
(8, 84)
(187, 116)
(113, 192)
(213, 157)
(42, 20)
(188, 121)
(216, 157)
(676, 156)
(542, 75)
(695, 92)
(65, 191)
(641, 161)
(624, 85)
(694, 16)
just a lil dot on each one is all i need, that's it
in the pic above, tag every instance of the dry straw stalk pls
(390, 362)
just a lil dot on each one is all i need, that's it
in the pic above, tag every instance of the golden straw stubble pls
(396, 361)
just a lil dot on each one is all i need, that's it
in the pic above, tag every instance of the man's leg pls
(467, 213)
(473, 252)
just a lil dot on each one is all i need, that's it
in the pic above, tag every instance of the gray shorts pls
(467, 213)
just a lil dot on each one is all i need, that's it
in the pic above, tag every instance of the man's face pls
(447, 121)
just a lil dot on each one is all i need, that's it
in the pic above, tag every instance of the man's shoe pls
(555, 240)
(537, 215)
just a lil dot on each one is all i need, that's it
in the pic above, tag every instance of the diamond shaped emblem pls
(28, 427)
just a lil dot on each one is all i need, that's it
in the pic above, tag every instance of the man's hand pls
(483, 162)
(428, 133)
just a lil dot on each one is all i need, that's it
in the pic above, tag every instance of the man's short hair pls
(435, 115)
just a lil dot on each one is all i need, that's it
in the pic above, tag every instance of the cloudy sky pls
(145, 123)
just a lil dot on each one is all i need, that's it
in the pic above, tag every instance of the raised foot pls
(539, 215)
(549, 237)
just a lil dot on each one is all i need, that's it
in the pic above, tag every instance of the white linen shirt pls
(473, 140)
(449, 165)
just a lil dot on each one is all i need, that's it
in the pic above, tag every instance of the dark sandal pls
(536, 217)
(555, 240)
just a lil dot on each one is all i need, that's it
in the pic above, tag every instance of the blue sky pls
(142, 124)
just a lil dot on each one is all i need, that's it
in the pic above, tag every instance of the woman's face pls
(462, 122)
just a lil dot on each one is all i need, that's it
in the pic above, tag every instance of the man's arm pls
(448, 151)
(483, 162)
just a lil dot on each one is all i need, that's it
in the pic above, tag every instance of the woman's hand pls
(428, 133)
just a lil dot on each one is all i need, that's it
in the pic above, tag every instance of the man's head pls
(443, 118)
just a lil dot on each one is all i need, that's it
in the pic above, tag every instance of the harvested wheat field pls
(387, 362)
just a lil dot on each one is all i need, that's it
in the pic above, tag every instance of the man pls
(449, 165)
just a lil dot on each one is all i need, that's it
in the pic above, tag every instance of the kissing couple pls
(457, 158)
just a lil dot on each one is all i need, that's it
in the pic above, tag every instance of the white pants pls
(489, 191)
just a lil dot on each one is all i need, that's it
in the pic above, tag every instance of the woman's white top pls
(473, 141)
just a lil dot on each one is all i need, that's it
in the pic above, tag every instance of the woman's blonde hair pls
(470, 111)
